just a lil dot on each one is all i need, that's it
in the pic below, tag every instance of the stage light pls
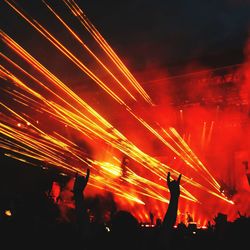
(8, 213)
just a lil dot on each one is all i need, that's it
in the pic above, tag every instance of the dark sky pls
(161, 32)
(174, 32)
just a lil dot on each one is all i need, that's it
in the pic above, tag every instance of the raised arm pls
(78, 188)
(80, 183)
(82, 218)
(171, 214)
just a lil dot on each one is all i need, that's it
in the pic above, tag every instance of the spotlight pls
(7, 213)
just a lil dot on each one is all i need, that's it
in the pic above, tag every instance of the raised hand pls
(174, 185)
(80, 182)
(82, 218)
(171, 213)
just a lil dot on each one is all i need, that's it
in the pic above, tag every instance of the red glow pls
(197, 124)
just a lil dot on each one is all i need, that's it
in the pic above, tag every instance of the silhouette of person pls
(82, 218)
(171, 213)
(151, 216)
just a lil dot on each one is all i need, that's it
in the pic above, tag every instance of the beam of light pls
(74, 34)
(38, 152)
(57, 160)
(133, 154)
(203, 136)
(160, 187)
(53, 79)
(67, 109)
(57, 82)
(115, 171)
(199, 164)
(68, 54)
(127, 197)
(74, 8)
(181, 116)
(186, 160)
(190, 155)
(216, 184)
(209, 137)
(85, 124)
(25, 97)
(33, 149)
(137, 158)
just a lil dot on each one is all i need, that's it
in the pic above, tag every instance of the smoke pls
(245, 70)
(206, 116)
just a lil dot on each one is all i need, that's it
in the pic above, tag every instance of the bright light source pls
(7, 213)
(63, 174)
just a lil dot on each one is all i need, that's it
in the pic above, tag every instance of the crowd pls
(34, 221)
